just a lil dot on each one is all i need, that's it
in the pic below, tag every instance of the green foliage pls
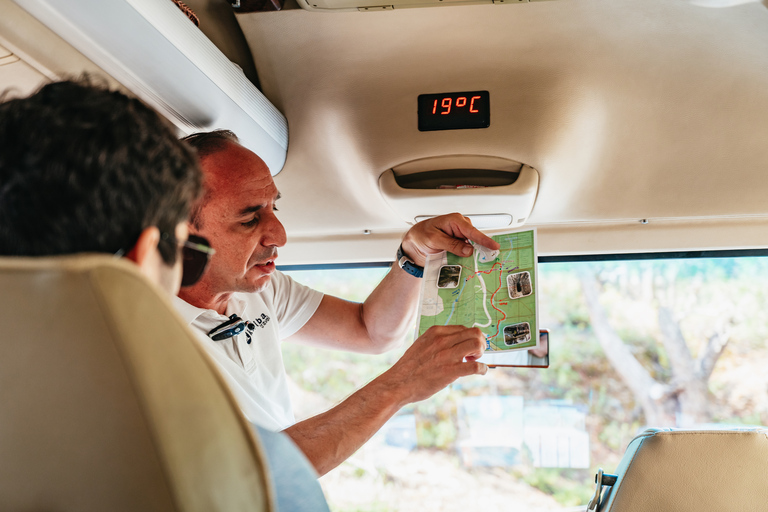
(569, 487)
(564, 306)
(334, 375)
(747, 420)
(436, 434)
(616, 435)
(436, 421)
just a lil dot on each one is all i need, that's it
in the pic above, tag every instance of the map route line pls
(461, 290)
(485, 293)
(453, 306)
(498, 324)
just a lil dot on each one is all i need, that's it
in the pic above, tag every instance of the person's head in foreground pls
(86, 169)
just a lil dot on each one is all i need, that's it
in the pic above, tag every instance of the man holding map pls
(245, 308)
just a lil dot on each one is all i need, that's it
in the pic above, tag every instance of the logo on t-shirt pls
(262, 321)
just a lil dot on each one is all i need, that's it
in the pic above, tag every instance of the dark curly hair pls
(86, 169)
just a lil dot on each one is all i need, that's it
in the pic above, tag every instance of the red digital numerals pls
(447, 103)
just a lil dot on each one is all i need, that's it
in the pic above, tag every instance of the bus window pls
(653, 343)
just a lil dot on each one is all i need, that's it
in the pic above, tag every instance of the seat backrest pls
(692, 471)
(107, 402)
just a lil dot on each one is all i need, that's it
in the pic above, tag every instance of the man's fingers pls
(468, 368)
(473, 368)
(439, 357)
(457, 246)
(469, 232)
(481, 238)
(452, 233)
(460, 228)
(443, 330)
(479, 368)
(453, 335)
(471, 347)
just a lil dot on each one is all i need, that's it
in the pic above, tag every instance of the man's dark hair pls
(85, 169)
(207, 143)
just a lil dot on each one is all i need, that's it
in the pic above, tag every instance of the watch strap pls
(407, 264)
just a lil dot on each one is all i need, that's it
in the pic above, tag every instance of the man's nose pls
(274, 235)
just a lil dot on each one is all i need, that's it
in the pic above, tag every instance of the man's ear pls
(142, 253)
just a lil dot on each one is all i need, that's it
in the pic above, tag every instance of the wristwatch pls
(407, 264)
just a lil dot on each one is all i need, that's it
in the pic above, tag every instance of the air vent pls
(457, 178)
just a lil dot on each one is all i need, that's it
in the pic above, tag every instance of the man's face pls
(238, 218)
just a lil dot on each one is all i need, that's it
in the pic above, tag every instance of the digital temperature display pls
(454, 111)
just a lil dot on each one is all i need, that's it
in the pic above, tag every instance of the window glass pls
(633, 344)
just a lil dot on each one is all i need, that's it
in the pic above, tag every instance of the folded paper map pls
(494, 290)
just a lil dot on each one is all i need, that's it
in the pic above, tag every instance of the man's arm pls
(436, 359)
(383, 320)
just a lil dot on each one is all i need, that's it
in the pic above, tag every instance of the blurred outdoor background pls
(633, 344)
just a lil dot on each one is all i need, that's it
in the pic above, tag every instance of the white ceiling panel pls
(629, 109)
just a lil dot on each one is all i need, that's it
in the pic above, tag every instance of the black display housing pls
(454, 111)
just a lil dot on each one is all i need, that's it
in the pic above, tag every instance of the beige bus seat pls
(689, 471)
(107, 403)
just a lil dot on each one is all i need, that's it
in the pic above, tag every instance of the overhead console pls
(154, 50)
(494, 192)
(386, 5)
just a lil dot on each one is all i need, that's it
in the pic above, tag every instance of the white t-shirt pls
(255, 372)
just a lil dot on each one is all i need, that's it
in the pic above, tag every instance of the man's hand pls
(436, 359)
(451, 233)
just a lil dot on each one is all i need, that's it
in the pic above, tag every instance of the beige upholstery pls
(106, 401)
(692, 471)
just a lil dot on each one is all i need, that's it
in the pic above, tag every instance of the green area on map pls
(499, 295)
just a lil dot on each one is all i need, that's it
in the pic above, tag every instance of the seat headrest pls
(107, 402)
(693, 471)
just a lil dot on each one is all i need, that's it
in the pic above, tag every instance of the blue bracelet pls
(407, 264)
